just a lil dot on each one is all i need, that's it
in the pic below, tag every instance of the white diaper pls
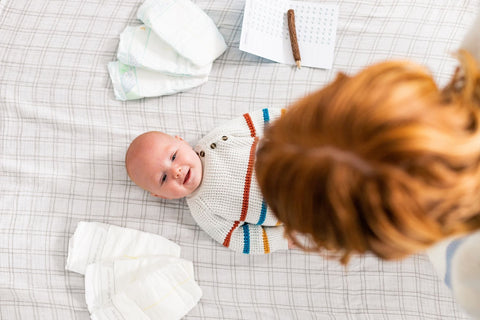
(172, 52)
(130, 274)
(168, 293)
(95, 242)
(120, 308)
(131, 83)
(156, 285)
(140, 47)
(105, 279)
(185, 27)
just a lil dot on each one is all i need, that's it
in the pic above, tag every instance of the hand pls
(291, 245)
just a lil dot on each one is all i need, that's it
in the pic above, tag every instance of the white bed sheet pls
(64, 136)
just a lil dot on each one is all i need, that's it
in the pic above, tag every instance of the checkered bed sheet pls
(64, 136)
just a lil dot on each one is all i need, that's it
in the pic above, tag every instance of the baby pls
(217, 179)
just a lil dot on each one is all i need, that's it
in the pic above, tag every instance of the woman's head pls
(380, 162)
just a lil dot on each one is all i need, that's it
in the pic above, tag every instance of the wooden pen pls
(293, 38)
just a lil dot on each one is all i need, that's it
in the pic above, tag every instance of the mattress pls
(64, 136)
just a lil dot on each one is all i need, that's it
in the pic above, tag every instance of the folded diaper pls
(168, 292)
(131, 274)
(172, 52)
(104, 279)
(155, 285)
(120, 308)
(131, 83)
(185, 27)
(140, 47)
(94, 242)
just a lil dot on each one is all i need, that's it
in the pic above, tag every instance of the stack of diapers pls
(171, 52)
(457, 262)
(131, 274)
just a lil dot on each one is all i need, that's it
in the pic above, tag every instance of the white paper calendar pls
(265, 31)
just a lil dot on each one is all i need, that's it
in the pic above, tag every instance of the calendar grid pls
(265, 31)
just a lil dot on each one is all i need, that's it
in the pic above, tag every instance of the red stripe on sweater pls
(246, 191)
(248, 179)
(250, 125)
(226, 242)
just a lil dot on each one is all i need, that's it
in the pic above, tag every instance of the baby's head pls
(164, 165)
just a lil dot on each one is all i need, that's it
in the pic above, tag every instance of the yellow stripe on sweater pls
(266, 245)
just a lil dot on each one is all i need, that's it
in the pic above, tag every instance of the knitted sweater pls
(228, 204)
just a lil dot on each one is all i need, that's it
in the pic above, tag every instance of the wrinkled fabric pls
(130, 274)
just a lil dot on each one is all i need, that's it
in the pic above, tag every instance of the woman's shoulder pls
(471, 41)
(457, 261)
(465, 275)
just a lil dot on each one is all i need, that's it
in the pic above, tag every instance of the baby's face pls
(166, 166)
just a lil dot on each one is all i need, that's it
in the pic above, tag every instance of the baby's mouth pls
(187, 177)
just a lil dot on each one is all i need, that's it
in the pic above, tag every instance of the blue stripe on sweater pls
(246, 238)
(263, 213)
(450, 251)
(266, 115)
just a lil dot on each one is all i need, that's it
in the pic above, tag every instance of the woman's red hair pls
(380, 162)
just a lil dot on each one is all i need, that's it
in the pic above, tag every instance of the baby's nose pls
(178, 172)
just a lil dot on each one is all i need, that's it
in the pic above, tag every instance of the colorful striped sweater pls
(228, 204)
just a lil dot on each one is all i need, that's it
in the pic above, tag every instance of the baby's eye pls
(164, 178)
(174, 156)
